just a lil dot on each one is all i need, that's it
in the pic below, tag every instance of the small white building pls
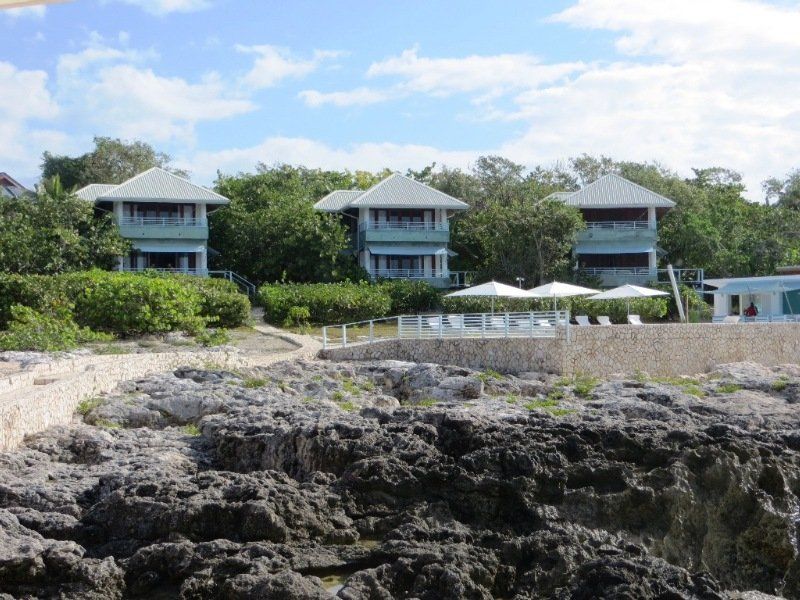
(774, 296)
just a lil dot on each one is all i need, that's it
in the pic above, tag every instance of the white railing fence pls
(617, 225)
(163, 221)
(539, 324)
(408, 273)
(412, 226)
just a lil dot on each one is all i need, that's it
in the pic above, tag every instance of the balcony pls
(179, 271)
(163, 228)
(436, 278)
(613, 277)
(399, 231)
(617, 231)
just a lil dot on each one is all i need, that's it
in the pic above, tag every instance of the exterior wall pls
(662, 350)
(65, 383)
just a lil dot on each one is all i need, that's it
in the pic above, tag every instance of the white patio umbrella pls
(493, 289)
(627, 292)
(556, 290)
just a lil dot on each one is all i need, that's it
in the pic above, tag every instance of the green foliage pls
(348, 406)
(547, 403)
(326, 303)
(271, 232)
(297, 316)
(512, 398)
(728, 388)
(427, 402)
(55, 233)
(583, 385)
(87, 405)
(780, 384)
(337, 396)
(254, 382)
(107, 424)
(410, 297)
(350, 386)
(52, 331)
(213, 337)
(555, 395)
(488, 375)
(111, 161)
(191, 429)
(221, 302)
(130, 304)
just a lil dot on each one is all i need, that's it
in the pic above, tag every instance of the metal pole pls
(344, 336)
(371, 331)
(324, 338)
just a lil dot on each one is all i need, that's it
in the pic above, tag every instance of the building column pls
(445, 269)
(202, 214)
(202, 261)
(427, 261)
(651, 217)
(183, 262)
(366, 260)
(722, 305)
(140, 262)
(118, 211)
(120, 263)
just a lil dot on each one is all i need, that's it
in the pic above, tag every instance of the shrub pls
(213, 337)
(218, 301)
(410, 297)
(326, 302)
(298, 315)
(130, 304)
(45, 332)
(222, 304)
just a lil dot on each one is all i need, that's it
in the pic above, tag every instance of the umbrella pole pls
(492, 304)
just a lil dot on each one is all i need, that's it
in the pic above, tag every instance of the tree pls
(785, 191)
(271, 232)
(111, 161)
(56, 232)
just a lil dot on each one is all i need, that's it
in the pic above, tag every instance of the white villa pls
(777, 297)
(399, 228)
(163, 215)
(620, 242)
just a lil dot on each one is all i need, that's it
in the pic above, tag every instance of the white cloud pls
(25, 94)
(305, 151)
(164, 7)
(138, 103)
(485, 74)
(36, 11)
(274, 64)
(358, 97)
(111, 89)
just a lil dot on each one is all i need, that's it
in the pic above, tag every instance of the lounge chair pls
(582, 320)
(634, 320)
(603, 320)
(732, 319)
(498, 322)
(542, 323)
(435, 323)
(455, 321)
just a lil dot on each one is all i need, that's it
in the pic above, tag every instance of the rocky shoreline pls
(381, 480)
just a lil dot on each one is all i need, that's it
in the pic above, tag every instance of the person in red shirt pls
(751, 311)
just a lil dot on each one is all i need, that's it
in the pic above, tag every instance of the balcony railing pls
(625, 225)
(405, 226)
(408, 273)
(600, 271)
(163, 221)
(187, 271)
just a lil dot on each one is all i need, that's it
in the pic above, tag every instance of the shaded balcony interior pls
(191, 263)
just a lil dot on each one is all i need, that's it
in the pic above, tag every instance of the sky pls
(222, 85)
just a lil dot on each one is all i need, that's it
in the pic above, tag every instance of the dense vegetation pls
(301, 304)
(72, 307)
(55, 232)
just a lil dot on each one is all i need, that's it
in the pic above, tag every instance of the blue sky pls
(224, 84)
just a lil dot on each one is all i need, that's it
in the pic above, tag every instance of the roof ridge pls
(633, 183)
(395, 175)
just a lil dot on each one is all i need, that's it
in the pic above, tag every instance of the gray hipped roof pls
(396, 191)
(93, 191)
(613, 191)
(153, 185)
(338, 200)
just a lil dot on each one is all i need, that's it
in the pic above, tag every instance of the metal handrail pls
(405, 225)
(186, 271)
(618, 225)
(533, 324)
(163, 221)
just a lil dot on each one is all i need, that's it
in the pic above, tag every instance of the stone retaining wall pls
(664, 349)
(28, 408)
